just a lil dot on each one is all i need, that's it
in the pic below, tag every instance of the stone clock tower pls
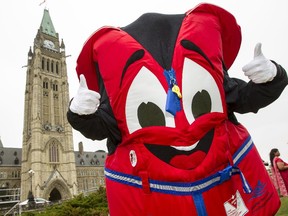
(48, 160)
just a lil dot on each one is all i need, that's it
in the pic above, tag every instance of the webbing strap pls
(200, 204)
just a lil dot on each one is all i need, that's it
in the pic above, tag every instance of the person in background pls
(279, 170)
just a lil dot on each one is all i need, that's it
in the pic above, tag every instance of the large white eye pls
(199, 90)
(146, 100)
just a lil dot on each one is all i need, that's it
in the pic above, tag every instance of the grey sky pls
(261, 21)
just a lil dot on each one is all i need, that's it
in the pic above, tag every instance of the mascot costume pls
(158, 89)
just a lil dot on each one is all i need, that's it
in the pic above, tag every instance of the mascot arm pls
(97, 126)
(100, 124)
(91, 126)
(243, 97)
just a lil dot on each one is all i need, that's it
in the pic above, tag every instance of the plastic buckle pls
(225, 174)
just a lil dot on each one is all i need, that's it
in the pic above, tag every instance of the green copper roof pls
(47, 25)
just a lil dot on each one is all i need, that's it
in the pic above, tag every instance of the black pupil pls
(201, 103)
(150, 115)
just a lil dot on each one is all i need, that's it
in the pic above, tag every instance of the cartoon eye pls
(199, 90)
(145, 104)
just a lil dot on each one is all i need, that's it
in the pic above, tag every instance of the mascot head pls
(164, 84)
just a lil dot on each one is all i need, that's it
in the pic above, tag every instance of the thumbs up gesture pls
(260, 69)
(85, 101)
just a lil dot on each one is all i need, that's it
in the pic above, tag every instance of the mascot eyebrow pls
(193, 47)
(137, 55)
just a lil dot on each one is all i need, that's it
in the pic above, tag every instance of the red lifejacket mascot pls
(159, 91)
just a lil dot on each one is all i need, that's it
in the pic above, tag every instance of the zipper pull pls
(176, 90)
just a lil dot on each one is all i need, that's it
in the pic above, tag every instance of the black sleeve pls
(91, 126)
(97, 126)
(243, 97)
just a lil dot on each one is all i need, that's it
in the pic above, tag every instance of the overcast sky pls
(260, 20)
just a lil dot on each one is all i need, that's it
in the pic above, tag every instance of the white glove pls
(260, 69)
(86, 101)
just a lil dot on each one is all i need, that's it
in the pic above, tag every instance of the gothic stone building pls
(89, 171)
(47, 164)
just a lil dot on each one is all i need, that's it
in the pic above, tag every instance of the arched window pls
(53, 152)
(43, 63)
(48, 63)
(45, 84)
(55, 87)
(52, 66)
(56, 104)
(16, 161)
(57, 68)
(45, 101)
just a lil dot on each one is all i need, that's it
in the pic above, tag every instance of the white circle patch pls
(133, 158)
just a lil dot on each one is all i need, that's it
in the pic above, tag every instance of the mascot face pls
(145, 110)
(178, 127)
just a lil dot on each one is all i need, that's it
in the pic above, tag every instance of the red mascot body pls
(166, 109)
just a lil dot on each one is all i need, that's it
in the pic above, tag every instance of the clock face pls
(48, 44)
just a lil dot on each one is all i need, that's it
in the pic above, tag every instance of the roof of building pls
(10, 156)
(13, 157)
(47, 25)
(90, 158)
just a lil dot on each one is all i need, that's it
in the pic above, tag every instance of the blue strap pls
(238, 157)
(200, 204)
(245, 184)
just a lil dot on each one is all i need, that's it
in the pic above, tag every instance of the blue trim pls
(200, 204)
(242, 151)
(188, 188)
(177, 188)
(123, 178)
